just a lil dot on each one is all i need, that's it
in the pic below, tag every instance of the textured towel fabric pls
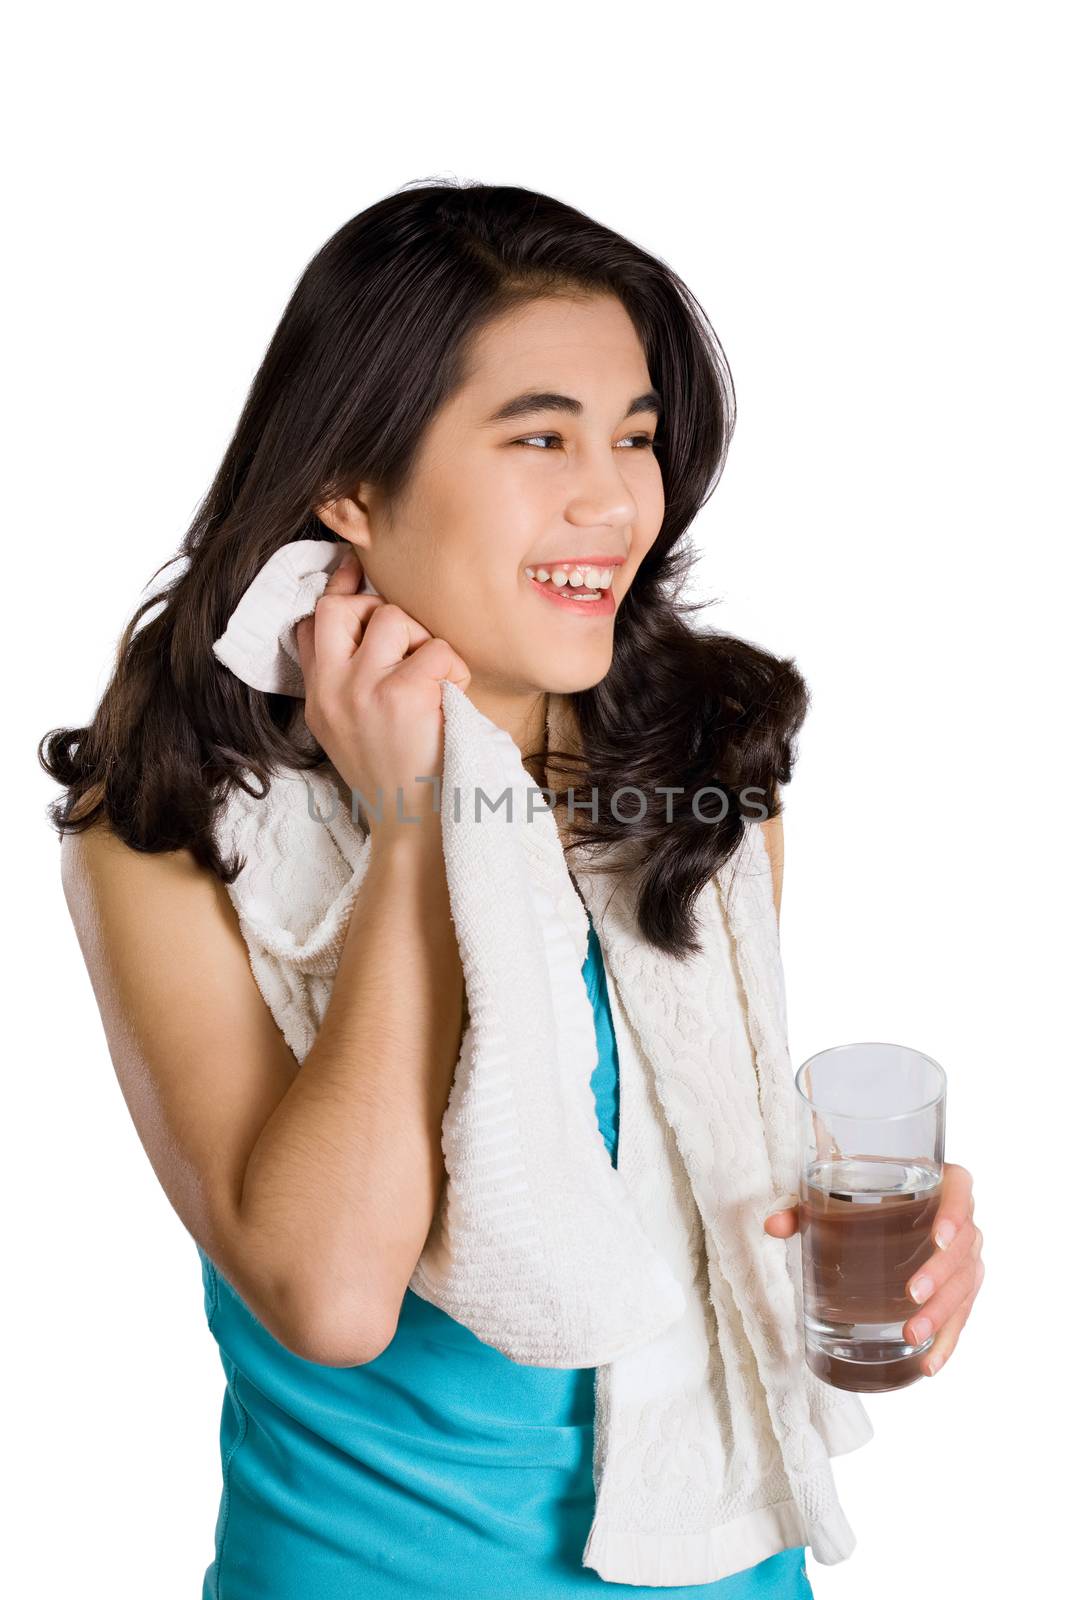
(713, 1437)
(441, 1469)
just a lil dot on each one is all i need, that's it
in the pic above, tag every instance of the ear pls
(348, 519)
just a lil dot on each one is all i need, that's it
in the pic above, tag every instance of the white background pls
(867, 200)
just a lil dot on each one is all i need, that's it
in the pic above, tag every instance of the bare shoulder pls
(110, 887)
(774, 838)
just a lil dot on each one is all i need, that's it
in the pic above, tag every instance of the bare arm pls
(349, 1167)
(313, 1187)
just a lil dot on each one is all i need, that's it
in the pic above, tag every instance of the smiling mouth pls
(578, 601)
(599, 576)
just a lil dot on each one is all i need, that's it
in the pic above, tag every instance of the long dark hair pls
(374, 339)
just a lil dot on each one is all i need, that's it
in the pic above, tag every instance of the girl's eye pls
(644, 441)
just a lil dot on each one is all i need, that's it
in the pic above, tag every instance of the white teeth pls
(576, 577)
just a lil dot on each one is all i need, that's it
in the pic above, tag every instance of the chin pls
(578, 678)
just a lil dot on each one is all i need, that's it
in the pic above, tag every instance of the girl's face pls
(567, 476)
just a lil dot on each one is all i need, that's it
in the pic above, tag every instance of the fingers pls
(339, 626)
(304, 634)
(953, 1275)
(957, 1203)
(939, 1268)
(782, 1224)
(345, 579)
(387, 643)
(782, 1219)
(953, 1232)
(949, 1332)
(436, 659)
(347, 576)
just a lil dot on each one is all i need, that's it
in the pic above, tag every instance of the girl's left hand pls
(945, 1284)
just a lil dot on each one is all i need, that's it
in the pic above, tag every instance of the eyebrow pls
(536, 400)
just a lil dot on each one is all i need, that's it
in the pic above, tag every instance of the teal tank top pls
(440, 1469)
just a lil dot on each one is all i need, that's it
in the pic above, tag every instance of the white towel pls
(712, 1433)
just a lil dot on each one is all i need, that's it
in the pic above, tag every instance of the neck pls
(527, 722)
(524, 718)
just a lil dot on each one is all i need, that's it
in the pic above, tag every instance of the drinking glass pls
(871, 1143)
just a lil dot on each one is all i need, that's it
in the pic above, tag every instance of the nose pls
(600, 496)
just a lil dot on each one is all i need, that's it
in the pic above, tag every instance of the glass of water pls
(871, 1142)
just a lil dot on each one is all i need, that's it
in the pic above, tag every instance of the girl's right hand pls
(372, 679)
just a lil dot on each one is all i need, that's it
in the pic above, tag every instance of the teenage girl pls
(499, 405)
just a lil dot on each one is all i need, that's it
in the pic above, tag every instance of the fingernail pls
(920, 1289)
(946, 1232)
(783, 1202)
(921, 1330)
(933, 1364)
